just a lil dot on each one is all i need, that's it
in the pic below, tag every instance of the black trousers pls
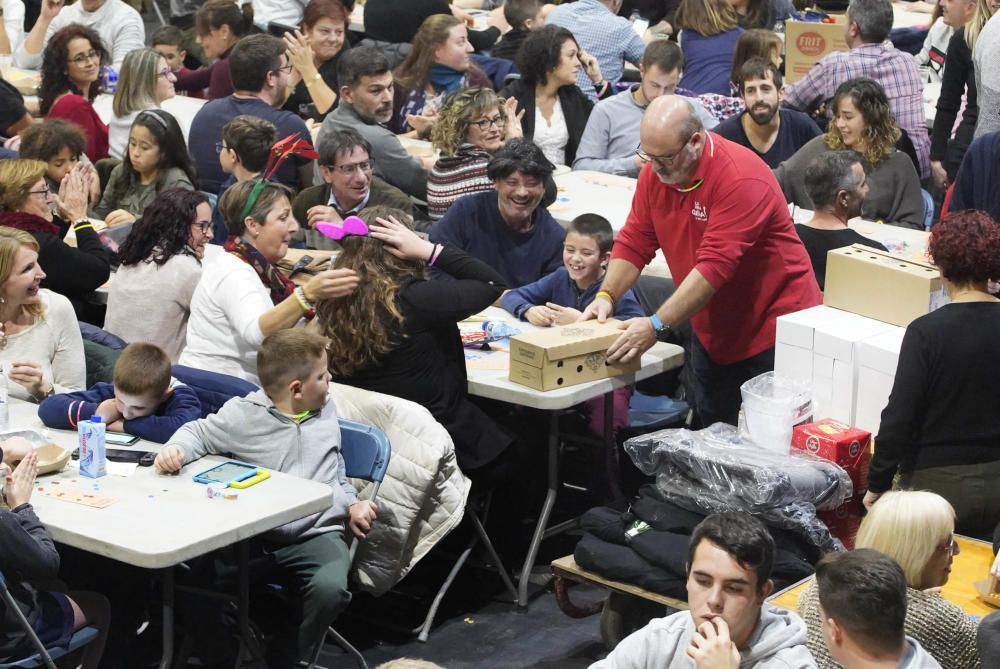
(717, 387)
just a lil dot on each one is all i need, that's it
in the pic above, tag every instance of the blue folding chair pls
(45, 657)
(366, 452)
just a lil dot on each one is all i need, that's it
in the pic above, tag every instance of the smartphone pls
(640, 26)
(120, 438)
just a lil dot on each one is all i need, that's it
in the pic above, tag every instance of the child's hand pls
(362, 515)
(169, 460)
(564, 315)
(108, 411)
(21, 481)
(541, 316)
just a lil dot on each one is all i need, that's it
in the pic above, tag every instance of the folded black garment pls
(621, 563)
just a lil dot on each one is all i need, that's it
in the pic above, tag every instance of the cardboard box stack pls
(550, 358)
(850, 448)
(806, 43)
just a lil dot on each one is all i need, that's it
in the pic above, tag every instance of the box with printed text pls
(840, 443)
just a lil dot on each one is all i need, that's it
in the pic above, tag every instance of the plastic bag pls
(715, 470)
(772, 407)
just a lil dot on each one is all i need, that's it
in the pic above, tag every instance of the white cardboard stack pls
(820, 346)
(877, 358)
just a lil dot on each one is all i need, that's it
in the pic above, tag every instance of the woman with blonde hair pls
(471, 126)
(41, 348)
(863, 123)
(917, 529)
(397, 335)
(438, 65)
(710, 33)
(144, 83)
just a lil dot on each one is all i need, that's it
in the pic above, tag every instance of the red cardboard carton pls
(847, 446)
(844, 521)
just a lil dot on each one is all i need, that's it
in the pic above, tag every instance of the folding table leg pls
(243, 558)
(543, 517)
(168, 618)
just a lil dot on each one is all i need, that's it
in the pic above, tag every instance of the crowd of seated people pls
(151, 191)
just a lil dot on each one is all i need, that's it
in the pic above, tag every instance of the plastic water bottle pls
(93, 456)
(4, 404)
(108, 80)
(499, 329)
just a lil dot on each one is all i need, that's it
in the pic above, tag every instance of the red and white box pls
(840, 443)
(844, 521)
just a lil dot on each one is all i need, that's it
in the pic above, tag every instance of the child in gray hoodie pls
(728, 624)
(290, 426)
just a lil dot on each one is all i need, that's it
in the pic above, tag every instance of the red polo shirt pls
(735, 229)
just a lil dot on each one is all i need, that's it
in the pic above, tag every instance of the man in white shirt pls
(119, 26)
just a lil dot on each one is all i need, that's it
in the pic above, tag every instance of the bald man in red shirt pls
(718, 214)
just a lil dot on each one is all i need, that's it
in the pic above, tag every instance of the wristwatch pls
(663, 332)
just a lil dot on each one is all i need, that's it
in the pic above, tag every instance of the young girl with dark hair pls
(157, 159)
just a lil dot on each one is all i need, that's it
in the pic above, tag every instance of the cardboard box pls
(877, 360)
(806, 43)
(880, 285)
(839, 443)
(844, 521)
(550, 358)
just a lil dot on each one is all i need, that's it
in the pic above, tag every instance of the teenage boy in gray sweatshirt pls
(728, 625)
(290, 426)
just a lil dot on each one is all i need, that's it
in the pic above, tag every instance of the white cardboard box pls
(877, 360)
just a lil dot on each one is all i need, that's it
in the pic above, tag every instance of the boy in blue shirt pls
(144, 399)
(290, 426)
(560, 297)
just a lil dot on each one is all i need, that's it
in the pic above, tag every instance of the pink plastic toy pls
(352, 225)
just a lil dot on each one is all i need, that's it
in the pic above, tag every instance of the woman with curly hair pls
(471, 126)
(156, 159)
(160, 267)
(71, 65)
(555, 109)
(437, 65)
(863, 123)
(145, 82)
(397, 335)
(941, 427)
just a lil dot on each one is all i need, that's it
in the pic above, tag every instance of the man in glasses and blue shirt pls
(718, 214)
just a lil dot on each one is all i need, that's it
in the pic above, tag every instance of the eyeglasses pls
(484, 124)
(82, 58)
(165, 73)
(347, 170)
(287, 69)
(44, 192)
(220, 146)
(663, 160)
(950, 547)
(204, 226)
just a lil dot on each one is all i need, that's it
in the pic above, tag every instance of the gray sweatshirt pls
(916, 657)
(251, 429)
(778, 642)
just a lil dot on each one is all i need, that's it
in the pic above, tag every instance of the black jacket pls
(575, 105)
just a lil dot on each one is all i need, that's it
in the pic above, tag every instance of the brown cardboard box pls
(806, 43)
(880, 285)
(550, 358)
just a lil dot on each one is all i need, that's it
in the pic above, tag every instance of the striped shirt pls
(454, 176)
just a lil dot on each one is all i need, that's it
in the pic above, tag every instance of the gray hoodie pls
(778, 642)
(916, 657)
(251, 429)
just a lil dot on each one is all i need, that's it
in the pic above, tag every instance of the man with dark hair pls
(507, 228)
(612, 133)
(720, 218)
(772, 133)
(727, 625)
(260, 70)
(862, 608)
(868, 26)
(346, 165)
(837, 185)
(366, 89)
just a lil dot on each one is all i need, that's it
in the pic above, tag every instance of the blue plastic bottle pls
(93, 456)
(108, 80)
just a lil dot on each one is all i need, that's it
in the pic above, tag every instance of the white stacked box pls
(877, 359)
(819, 346)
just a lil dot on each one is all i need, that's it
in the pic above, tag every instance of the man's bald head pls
(672, 135)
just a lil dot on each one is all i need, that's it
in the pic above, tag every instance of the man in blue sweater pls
(144, 399)
(507, 228)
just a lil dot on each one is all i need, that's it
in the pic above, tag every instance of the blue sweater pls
(708, 61)
(975, 185)
(559, 289)
(474, 225)
(66, 410)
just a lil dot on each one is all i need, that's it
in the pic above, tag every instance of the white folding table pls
(158, 521)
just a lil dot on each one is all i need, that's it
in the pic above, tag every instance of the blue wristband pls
(657, 323)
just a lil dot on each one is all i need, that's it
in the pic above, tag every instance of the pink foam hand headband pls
(352, 225)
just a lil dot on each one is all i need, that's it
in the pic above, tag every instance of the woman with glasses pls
(555, 110)
(71, 66)
(28, 204)
(471, 126)
(917, 530)
(219, 25)
(160, 266)
(144, 83)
